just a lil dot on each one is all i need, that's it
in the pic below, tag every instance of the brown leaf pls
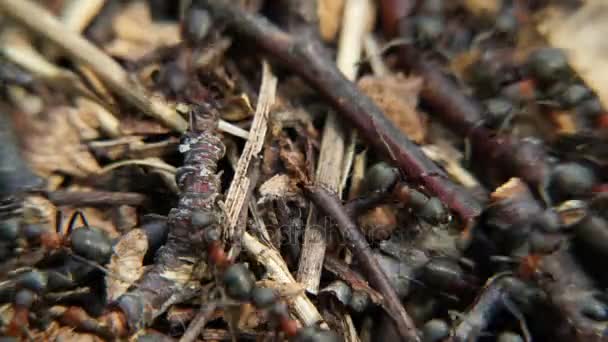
(397, 96)
(137, 35)
(53, 144)
(126, 262)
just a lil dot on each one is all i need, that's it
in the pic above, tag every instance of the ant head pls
(92, 244)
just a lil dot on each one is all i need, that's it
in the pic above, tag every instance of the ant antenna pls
(75, 215)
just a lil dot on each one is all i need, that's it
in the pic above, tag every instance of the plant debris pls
(303, 170)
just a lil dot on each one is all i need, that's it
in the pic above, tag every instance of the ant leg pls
(75, 215)
(59, 221)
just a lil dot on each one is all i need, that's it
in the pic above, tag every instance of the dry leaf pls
(582, 35)
(52, 144)
(397, 96)
(137, 35)
(126, 262)
(279, 186)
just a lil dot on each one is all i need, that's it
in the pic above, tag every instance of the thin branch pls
(78, 14)
(306, 57)
(96, 198)
(357, 244)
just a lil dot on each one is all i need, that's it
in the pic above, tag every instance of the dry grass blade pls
(277, 270)
(332, 156)
(78, 14)
(235, 199)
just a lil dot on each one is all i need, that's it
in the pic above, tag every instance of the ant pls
(90, 243)
(88, 248)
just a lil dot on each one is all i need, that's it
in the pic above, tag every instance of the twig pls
(305, 56)
(20, 52)
(232, 129)
(78, 14)
(331, 157)
(235, 198)
(96, 198)
(357, 244)
(198, 323)
(277, 270)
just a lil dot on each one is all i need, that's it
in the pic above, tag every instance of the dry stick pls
(45, 24)
(434, 152)
(277, 270)
(78, 14)
(305, 56)
(96, 198)
(508, 156)
(198, 323)
(331, 156)
(235, 198)
(357, 244)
